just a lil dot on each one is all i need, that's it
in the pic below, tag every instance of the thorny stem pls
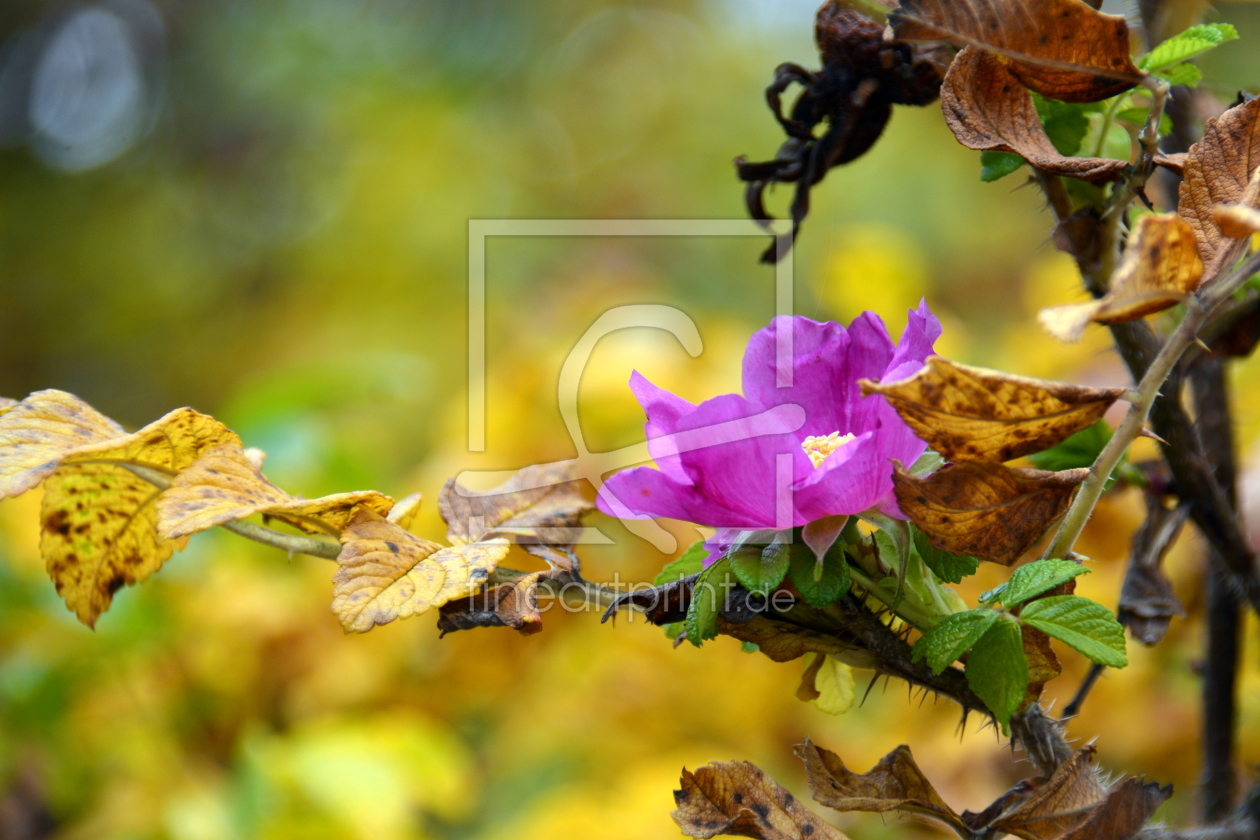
(1199, 307)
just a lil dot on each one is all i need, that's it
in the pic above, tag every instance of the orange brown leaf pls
(539, 504)
(970, 413)
(737, 797)
(985, 509)
(1061, 804)
(894, 784)
(1161, 267)
(1060, 48)
(224, 485)
(988, 110)
(1218, 170)
(385, 573)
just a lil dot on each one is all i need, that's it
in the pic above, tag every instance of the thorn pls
(1147, 433)
(1199, 342)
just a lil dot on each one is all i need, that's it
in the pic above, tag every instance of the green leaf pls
(995, 165)
(835, 575)
(1138, 116)
(1079, 450)
(1189, 44)
(707, 597)
(749, 647)
(951, 568)
(929, 462)
(687, 564)
(952, 637)
(1033, 579)
(673, 631)
(1085, 625)
(997, 670)
(761, 570)
(1066, 124)
(1181, 74)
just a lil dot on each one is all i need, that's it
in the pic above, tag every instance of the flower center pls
(820, 448)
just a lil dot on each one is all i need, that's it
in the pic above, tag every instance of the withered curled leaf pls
(1129, 804)
(737, 797)
(1060, 48)
(98, 518)
(783, 641)
(513, 604)
(1059, 805)
(894, 784)
(984, 509)
(1217, 170)
(1235, 220)
(539, 504)
(223, 485)
(664, 604)
(988, 110)
(385, 573)
(1043, 664)
(971, 413)
(1161, 266)
(404, 511)
(1147, 602)
(36, 434)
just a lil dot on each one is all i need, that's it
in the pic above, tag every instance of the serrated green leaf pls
(952, 637)
(995, 165)
(1189, 44)
(674, 630)
(835, 577)
(1035, 578)
(707, 597)
(1085, 625)
(1181, 74)
(1066, 124)
(761, 570)
(997, 670)
(687, 564)
(951, 568)
(927, 463)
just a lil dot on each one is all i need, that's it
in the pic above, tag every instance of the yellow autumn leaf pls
(971, 413)
(386, 573)
(7, 403)
(828, 683)
(98, 518)
(1236, 220)
(38, 432)
(224, 485)
(404, 511)
(1160, 268)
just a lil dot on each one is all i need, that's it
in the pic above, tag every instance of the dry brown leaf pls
(37, 433)
(404, 511)
(99, 519)
(1061, 804)
(895, 784)
(984, 509)
(1060, 48)
(1128, 806)
(540, 504)
(385, 573)
(738, 798)
(988, 110)
(783, 642)
(1160, 268)
(512, 605)
(223, 485)
(970, 413)
(1043, 664)
(664, 604)
(1217, 171)
(1147, 602)
(1174, 162)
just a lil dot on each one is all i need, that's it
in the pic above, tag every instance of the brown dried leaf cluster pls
(989, 110)
(116, 506)
(1161, 267)
(1072, 804)
(1060, 48)
(1217, 171)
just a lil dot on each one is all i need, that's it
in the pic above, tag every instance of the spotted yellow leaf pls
(967, 413)
(540, 504)
(36, 434)
(99, 518)
(223, 485)
(386, 573)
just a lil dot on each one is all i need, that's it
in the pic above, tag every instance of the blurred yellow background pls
(261, 210)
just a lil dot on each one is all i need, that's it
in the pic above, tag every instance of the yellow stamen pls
(819, 448)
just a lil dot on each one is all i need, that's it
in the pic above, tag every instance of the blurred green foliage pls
(286, 248)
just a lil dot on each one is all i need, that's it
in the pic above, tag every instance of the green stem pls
(908, 610)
